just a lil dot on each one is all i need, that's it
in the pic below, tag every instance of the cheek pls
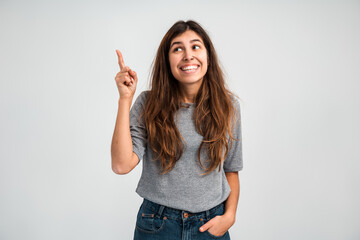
(173, 65)
(204, 58)
(205, 69)
(205, 61)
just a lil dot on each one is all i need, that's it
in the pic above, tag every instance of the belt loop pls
(207, 213)
(161, 209)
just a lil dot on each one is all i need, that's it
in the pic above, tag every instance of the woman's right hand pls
(126, 79)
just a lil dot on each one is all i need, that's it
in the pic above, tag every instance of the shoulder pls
(141, 98)
(236, 107)
(235, 101)
(144, 93)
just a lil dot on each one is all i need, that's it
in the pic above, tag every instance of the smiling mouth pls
(191, 68)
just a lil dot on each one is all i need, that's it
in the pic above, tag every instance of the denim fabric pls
(158, 222)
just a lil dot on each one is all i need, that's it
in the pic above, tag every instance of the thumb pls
(206, 226)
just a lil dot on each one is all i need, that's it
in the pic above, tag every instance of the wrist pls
(126, 98)
(125, 102)
(230, 216)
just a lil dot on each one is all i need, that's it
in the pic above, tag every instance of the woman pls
(187, 131)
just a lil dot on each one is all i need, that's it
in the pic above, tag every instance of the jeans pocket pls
(148, 221)
(216, 237)
(218, 212)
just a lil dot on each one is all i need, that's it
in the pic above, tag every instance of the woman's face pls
(188, 58)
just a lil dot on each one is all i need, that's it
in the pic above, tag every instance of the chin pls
(189, 81)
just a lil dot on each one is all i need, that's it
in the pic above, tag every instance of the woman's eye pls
(177, 49)
(196, 47)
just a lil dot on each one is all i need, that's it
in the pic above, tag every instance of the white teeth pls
(189, 68)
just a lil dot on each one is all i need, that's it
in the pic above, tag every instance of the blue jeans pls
(158, 222)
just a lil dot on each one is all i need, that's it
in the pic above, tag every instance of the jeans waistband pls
(177, 213)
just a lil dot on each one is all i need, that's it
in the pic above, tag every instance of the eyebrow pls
(194, 40)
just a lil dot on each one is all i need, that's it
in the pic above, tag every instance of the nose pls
(188, 56)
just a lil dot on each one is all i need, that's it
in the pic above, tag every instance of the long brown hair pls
(214, 112)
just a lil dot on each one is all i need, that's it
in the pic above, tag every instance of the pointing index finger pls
(120, 59)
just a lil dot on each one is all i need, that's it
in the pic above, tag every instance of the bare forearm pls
(233, 199)
(121, 146)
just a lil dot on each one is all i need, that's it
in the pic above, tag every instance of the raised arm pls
(123, 159)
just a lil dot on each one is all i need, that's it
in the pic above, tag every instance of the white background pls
(294, 64)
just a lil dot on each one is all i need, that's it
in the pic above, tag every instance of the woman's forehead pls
(185, 37)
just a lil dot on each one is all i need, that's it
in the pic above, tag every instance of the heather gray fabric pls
(183, 187)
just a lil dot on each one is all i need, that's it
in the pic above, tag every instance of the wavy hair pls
(214, 112)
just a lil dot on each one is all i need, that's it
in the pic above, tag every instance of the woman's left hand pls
(218, 225)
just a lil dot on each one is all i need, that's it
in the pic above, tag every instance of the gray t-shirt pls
(183, 187)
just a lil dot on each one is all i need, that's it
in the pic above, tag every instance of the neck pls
(189, 92)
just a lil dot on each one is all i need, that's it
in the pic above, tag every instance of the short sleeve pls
(137, 126)
(234, 160)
